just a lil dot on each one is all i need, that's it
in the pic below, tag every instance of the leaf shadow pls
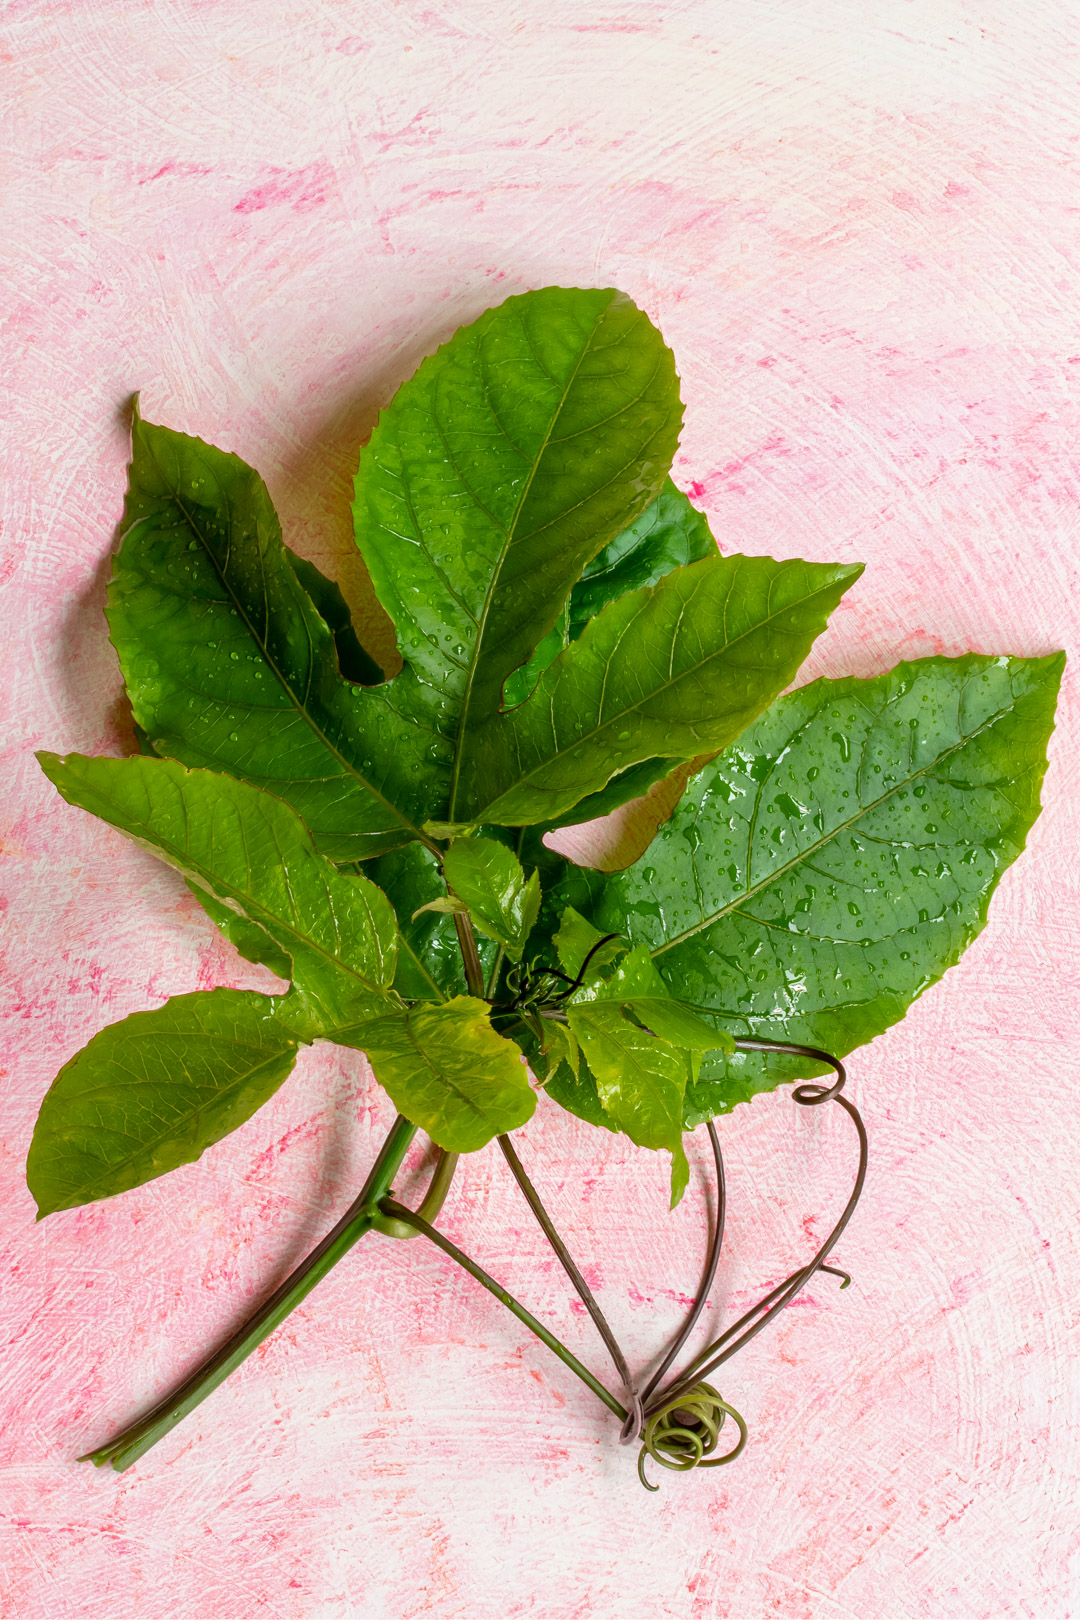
(95, 711)
(312, 484)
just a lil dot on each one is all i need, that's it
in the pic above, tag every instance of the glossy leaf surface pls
(229, 665)
(669, 534)
(839, 858)
(154, 1091)
(516, 452)
(448, 1071)
(674, 670)
(488, 877)
(429, 957)
(253, 853)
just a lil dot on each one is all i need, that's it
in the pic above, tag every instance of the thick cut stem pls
(358, 1219)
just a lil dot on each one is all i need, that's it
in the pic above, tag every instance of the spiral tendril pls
(684, 1432)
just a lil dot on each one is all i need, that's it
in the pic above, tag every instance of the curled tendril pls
(684, 1432)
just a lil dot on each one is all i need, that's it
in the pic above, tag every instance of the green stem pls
(359, 1218)
(397, 1211)
(434, 1198)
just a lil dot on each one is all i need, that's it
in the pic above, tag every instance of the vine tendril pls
(684, 1432)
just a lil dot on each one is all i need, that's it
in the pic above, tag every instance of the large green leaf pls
(488, 877)
(669, 534)
(229, 665)
(154, 1091)
(513, 456)
(838, 859)
(254, 854)
(448, 1071)
(674, 670)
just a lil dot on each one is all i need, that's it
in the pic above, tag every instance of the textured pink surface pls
(858, 227)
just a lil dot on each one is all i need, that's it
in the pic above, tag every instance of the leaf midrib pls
(828, 838)
(292, 1044)
(481, 622)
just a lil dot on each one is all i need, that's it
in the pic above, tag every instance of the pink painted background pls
(858, 225)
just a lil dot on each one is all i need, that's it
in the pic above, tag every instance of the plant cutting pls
(571, 640)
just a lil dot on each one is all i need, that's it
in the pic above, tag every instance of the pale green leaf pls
(627, 1025)
(448, 1071)
(154, 1091)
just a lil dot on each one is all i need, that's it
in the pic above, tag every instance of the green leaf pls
(354, 662)
(675, 670)
(448, 1071)
(253, 943)
(513, 456)
(155, 1091)
(669, 534)
(834, 863)
(254, 854)
(488, 878)
(640, 1046)
(229, 665)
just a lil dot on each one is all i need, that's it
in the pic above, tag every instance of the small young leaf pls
(448, 1071)
(253, 853)
(488, 878)
(154, 1091)
(641, 1048)
(674, 670)
(429, 966)
(446, 830)
(446, 904)
(576, 938)
(560, 1046)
